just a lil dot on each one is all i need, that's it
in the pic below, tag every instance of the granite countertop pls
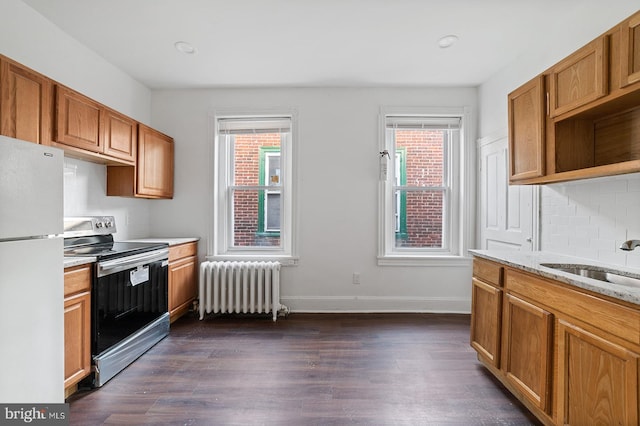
(76, 261)
(167, 240)
(531, 262)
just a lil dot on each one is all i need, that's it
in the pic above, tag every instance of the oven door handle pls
(129, 262)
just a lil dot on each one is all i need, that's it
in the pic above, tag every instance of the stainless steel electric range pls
(129, 293)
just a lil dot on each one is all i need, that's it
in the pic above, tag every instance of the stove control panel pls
(89, 225)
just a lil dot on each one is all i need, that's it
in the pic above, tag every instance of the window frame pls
(221, 175)
(456, 219)
(401, 199)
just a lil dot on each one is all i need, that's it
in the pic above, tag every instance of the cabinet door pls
(526, 349)
(25, 103)
(77, 338)
(630, 51)
(155, 164)
(120, 136)
(77, 120)
(183, 286)
(580, 78)
(598, 380)
(486, 314)
(526, 131)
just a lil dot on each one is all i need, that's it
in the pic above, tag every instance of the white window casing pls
(455, 232)
(225, 125)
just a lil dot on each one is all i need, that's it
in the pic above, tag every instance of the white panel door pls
(506, 211)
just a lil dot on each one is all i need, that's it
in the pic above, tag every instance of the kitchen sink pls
(597, 273)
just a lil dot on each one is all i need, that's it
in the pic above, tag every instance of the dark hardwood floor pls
(306, 369)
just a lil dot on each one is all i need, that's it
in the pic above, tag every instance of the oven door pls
(129, 293)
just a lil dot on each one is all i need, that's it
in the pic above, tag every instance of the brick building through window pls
(419, 163)
(256, 213)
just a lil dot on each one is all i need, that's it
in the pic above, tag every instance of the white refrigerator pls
(31, 273)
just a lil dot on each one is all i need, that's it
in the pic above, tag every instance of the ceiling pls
(313, 43)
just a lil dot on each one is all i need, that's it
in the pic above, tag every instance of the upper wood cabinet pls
(580, 78)
(630, 50)
(155, 163)
(589, 127)
(526, 130)
(152, 176)
(36, 109)
(25, 103)
(120, 135)
(77, 120)
(89, 127)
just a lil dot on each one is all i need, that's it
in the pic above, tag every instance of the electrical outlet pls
(356, 277)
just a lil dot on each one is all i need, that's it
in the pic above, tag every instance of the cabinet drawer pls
(487, 271)
(182, 250)
(77, 279)
(607, 316)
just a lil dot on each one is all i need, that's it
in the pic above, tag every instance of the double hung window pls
(420, 208)
(253, 197)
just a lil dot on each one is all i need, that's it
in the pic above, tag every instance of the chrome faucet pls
(629, 245)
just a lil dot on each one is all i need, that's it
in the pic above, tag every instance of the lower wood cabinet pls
(486, 317)
(183, 278)
(485, 321)
(597, 379)
(526, 349)
(569, 355)
(77, 325)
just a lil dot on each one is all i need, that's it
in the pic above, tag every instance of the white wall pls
(586, 218)
(30, 39)
(338, 184)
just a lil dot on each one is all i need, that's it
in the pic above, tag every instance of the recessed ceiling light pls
(185, 47)
(447, 41)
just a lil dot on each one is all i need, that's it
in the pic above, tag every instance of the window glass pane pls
(272, 211)
(273, 169)
(247, 157)
(424, 156)
(421, 219)
(248, 221)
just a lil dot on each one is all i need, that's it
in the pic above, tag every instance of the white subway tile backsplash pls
(612, 257)
(633, 260)
(586, 252)
(578, 240)
(634, 185)
(588, 231)
(590, 218)
(604, 244)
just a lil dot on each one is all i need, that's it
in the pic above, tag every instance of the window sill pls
(433, 260)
